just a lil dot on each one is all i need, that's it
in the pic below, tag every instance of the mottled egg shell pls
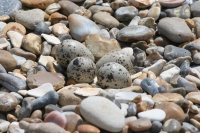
(71, 49)
(113, 75)
(81, 69)
(119, 56)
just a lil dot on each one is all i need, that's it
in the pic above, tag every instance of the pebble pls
(77, 23)
(140, 4)
(42, 27)
(39, 79)
(51, 39)
(87, 128)
(177, 33)
(156, 127)
(4, 125)
(140, 124)
(194, 9)
(153, 115)
(8, 6)
(172, 126)
(73, 121)
(167, 3)
(126, 13)
(52, 8)
(8, 102)
(189, 127)
(134, 33)
(111, 120)
(16, 38)
(150, 86)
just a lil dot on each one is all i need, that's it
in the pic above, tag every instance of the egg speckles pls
(113, 75)
(81, 69)
(71, 49)
(118, 57)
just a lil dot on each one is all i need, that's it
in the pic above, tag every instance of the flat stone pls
(140, 3)
(39, 79)
(153, 115)
(87, 91)
(45, 128)
(134, 33)
(8, 6)
(168, 3)
(189, 86)
(87, 128)
(167, 97)
(8, 101)
(14, 24)
(59, 28)
(97, 8)
(172, 110)
(109, 118)
(193, 97)
(105, 19)
(177, 33)
(38, 4)
(52, 8)
(57, 17)
(41, 90)
(67, 7)
(51, 39)
(170, 73)
(16, 38)
(77, 23)
(95, 42)
(140, 124)
(25, 54)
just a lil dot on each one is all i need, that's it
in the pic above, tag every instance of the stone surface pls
(168, 3)
(9, 63)
(172, 126)
(140, 3)
(126, 13)
(95, 42)
(42, 27)
(194, 9)
(51, 39)
(8, 6)
(134, 33)
(140, 124)
(80, 27)
(39, 79)
(104, 114)
(7, 102)
(88, 128)
(153, 115)
(30, 18)
(177, 33)
(193, 97)
(167, 97)
(172, 110)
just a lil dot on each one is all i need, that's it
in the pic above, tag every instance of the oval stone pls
(153, 115)
(103, 113)
(134, 33)
(7, 101)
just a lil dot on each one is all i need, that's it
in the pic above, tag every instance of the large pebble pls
(170, 4)
(134, 33)
(71, 49)
(105, 19)
(30, 18)
(7, 101)
(67, 7)
(46, 127)
(153, 115)
(104, 114)
(140, 3)
(38, 4)
(80, 27)
(177, 33)
(172, 126)
(42, 27)
(172, 110)
(73, 121)
(140, 124)
(118, 57)
(8, 6)
(82, 70)
(12, 83)
(95, 42)
(150, 86)
(25, 54)
(40, 78)
(126, 13)
(113, 75)
(9, 63)
(193, 97)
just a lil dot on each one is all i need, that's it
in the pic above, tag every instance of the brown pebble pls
(11, 118)
(141, 106)
(87, 128)
(137, 99)
(30, 120)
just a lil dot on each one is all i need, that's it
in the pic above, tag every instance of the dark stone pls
(63, 37)
(192, 46)
(189, 86)
(179, 90)
(150, 86)
(195, 10)
(172, 52)
(50, 97)
(11, 82)
(8, 6)
(156, 127)
(190, 127)
(42, 27)
(26, 109)
(49, 108)
(185, 68)
(126, 13)
(132, 109)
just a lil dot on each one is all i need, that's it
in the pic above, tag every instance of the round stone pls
(172, 126)
(42, 27)
(126, 13)
(103, 113)
(113, 75)
(7, 101)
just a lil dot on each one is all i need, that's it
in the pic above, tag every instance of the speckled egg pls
(113, 75)
(71, 49)
(82, 70)
(116, 56)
